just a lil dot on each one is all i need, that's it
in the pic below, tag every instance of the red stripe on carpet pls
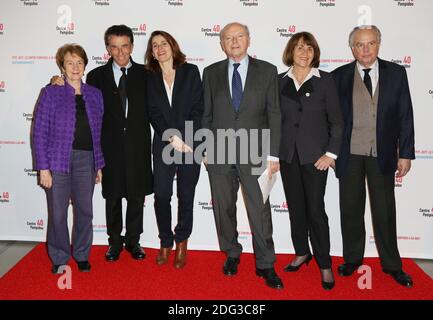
(201, 279)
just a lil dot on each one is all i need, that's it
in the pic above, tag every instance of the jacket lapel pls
(347, 98)
(109, 75)
(383, 81)
(111, 83)
(249, 81)
(161, 88)
(223, 79)
(289, 89)
(178, 80)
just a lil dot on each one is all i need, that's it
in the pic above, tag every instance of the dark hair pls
(118, 30)
(151, 63)
(309, 40)
(71, 48)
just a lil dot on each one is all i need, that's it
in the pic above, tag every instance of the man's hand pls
(45, 178)
(98, 178)
(57, 81)
(273, 167)
(324, 163)
(403, 167)
(178, 144)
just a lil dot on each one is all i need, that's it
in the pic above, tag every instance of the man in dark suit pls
(378, 140)
(241, 94)
(126, 143)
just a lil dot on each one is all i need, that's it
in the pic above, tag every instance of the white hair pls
(364, 27)
(232, 24)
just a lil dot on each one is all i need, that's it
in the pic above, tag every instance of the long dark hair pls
(150, 63)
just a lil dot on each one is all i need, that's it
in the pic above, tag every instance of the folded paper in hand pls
(266, 184)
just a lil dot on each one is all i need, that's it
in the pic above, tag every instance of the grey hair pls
(364, 27)
(232, 24)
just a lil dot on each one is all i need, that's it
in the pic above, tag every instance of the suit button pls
(300, 109)
(296, 125)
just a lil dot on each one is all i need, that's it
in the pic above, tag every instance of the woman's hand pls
(324, 163)
(273, 167)
(98, 178)
(58, 81)
(46, 179)
(178, 144)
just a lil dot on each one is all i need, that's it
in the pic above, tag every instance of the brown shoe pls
(180, 258)
(163, 255)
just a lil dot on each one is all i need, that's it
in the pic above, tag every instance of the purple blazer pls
(54, 126)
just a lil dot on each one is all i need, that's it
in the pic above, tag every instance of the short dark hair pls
(118, 30)
(309, 40)
(151, 63)
(71, 48)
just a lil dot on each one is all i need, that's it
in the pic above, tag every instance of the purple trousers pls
(77, 186)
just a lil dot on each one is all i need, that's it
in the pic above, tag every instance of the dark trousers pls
(134, 220)
(383, 213)
(187, 178)
(224, 188)
(77, 185)
(304, 187)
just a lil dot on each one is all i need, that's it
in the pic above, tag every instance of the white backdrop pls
(32, 30)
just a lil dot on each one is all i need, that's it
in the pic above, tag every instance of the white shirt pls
(374, 74)
(242, 69)
(313, 72)
(168, 90)
(117, 74)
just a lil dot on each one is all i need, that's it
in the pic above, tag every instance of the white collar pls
(116, 66)
(313, 72)
(244, 61)
(360, 67)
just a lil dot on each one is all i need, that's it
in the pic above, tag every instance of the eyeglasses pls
(232, 38)
(369, 45)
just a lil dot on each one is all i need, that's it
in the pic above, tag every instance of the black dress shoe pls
(347, 269)
(401, 277)
(58, 268)
(83, 266)
(292, 268)
(230, 267)
(271, 278)
(136, 251)
(113, 253)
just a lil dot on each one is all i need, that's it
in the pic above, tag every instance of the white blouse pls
(169, 91)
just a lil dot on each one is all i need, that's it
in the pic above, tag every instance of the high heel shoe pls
(327, 285)
(292, 268)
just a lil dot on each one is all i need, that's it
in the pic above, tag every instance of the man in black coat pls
(126, 141)
(378, 141)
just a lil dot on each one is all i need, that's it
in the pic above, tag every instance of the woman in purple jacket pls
(67, 149)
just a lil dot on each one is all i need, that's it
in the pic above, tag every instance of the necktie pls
(122, 89)
(236, 87)
(367, 81)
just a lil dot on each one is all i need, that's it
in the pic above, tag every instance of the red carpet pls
(201, 279)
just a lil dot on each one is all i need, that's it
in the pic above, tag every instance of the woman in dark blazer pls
(68, 156)
(310, 142)
(175, 102)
